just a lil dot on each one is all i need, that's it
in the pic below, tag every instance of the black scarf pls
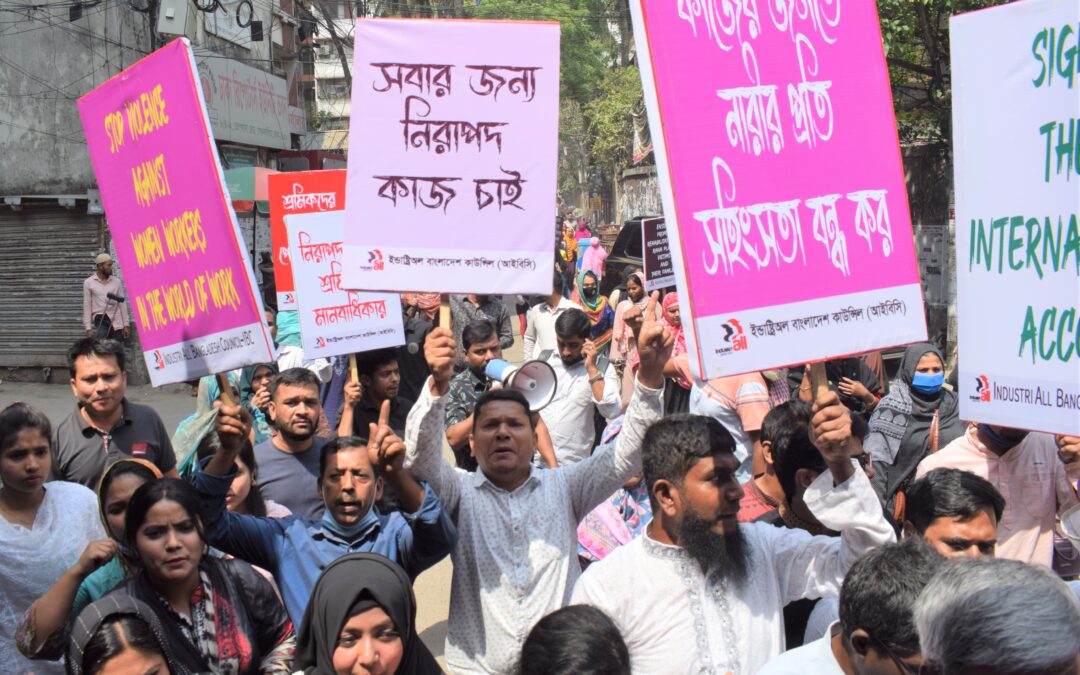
(333, 602)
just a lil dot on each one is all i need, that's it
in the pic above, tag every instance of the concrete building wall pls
(46, 63)
(639, 193)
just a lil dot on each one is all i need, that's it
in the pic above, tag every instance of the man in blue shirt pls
(351, 474)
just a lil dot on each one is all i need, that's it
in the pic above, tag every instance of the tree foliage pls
(573, 151)
(610, 118)
(916, 39)
(586, 45)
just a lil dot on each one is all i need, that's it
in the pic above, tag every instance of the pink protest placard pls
(188, 277)
(453, 146)
(781, 180)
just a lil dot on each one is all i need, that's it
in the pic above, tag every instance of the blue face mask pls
(928, 383)
(351, 532)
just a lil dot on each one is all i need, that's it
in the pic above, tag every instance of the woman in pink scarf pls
(623, 342)
(594, 257)
(583, 231)
(677, 391)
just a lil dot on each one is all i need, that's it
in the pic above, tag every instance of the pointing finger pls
(650, 307)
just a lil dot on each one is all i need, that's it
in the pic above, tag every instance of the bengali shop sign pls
(1016, 131)
(656, 255)
(453, 148)
(334, 320)
(188, 277)
(780, 177)
(292, 193)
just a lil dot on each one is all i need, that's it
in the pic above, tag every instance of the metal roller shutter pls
(45, 254)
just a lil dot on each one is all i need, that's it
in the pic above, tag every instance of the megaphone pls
(534, 379)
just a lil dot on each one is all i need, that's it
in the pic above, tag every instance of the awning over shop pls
(248, 188)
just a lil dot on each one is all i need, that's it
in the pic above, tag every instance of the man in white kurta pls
(675, 620)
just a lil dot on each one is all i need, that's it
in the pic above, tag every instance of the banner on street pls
(334, 320)
(187, 273)
(781, 181)
(453, 146)
(656, 255)
(1016, 145)
(298, 192)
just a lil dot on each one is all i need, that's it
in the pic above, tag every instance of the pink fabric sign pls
(453, 146)
(781, 179)
(187, 274)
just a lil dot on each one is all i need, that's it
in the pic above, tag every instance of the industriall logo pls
(733, 336)
(375, 257)
(159, 360)
(320, 342)
(982, 389)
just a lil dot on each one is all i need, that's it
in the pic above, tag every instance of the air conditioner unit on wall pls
(176, 17)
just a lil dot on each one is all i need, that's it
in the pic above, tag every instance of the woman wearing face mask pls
(362, 619)
(915, 419)
(45, 623)
(45, 529)
(596, 306)
(119, 635)
(218, 615)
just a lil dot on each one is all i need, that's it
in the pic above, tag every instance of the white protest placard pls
(334, 320)
(453, 147)
(1016, 136)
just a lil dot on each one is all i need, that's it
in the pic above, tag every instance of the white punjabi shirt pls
(516, 556)
(675, 620)
(813, 658)
(540, 327)
(569, 416)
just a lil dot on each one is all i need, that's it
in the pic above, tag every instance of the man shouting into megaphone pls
(480, 342)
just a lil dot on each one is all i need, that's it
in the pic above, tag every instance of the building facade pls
(51, 221)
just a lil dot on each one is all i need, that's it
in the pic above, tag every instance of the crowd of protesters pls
(643, 521)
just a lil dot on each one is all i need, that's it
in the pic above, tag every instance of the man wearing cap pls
(105, 312)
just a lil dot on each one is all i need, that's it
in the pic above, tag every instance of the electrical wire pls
(95, 11)
(68, 139)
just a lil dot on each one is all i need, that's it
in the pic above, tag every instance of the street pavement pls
(174, 403)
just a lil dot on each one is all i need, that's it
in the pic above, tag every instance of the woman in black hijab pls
(116, 634)
(362, 613)
(914, 420)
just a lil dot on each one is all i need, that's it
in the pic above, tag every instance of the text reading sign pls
(780, 177)
(1017, 203)
(334, 320)
(656, 255)
(187, 274)
(453, 147)
(292, 193)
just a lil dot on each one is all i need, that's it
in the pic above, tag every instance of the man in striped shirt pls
(104, 316)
